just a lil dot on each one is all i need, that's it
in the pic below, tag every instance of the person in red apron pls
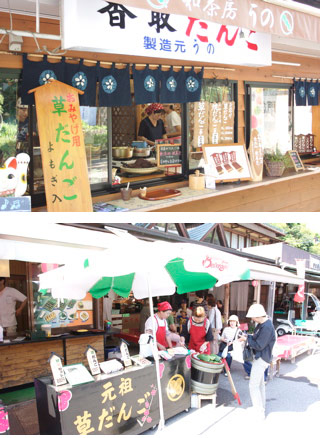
(198, 332)
(162, 330)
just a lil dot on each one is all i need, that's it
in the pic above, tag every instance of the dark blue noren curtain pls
(114, 86)
(300, 92)
(173, 89)
(36, 73)
(313, 93)
(146, 85)
(193, 85)
(83, 78)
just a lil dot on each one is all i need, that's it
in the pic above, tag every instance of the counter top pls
(189, 195)
(191, 200)
(57, 338)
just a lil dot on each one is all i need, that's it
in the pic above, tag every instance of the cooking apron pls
(161, 334)
(198, 337)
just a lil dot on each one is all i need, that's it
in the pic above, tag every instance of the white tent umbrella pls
(149, 269)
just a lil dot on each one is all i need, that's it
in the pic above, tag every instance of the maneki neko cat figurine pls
(13, 176)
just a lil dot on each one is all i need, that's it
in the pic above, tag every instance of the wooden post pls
(62, 146)
(226, 300)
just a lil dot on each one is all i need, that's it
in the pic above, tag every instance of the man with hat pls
(162, 331)
(262, 342)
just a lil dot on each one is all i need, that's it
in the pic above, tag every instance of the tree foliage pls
(299, 236)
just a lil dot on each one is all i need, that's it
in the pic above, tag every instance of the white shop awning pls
(260, 271)
(51, 243)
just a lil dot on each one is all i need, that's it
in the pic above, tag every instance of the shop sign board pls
(229, 161)
(256, 155)
(126, 30)
(221, 122)
(261, 16)
(62, 148)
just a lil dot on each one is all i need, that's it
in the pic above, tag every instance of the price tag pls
(59, 377)
(93, 361)
(125, 355)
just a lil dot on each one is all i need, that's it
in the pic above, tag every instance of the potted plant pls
(275, 162)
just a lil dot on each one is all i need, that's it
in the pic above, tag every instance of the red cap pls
(154, 107)
(162, 307)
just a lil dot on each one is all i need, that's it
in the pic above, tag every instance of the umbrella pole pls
(156, 358)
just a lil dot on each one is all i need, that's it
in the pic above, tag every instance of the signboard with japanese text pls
(199, 124)
(62, 148)
(169, 155)
(111, 28)
(221, 122)
(256, 155)
(261, 16)
(124, 404)
(229, 161)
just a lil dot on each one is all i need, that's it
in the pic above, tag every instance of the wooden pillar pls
(226, 300)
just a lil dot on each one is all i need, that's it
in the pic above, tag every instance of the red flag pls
(299, 296)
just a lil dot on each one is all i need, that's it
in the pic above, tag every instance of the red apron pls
(198, 337)
(161, 334)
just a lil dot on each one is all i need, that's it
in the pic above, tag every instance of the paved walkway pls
(293, 407)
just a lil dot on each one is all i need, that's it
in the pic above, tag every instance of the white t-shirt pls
(173, 119)
(161, 322)
(8, 298)
(215, 318)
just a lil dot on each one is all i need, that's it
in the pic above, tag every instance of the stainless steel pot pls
(122, 152)
(141, 152)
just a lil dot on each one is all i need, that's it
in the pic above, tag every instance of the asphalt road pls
(292, 411)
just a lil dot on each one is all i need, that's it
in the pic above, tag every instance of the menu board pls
(199, 124)
(221, 122)
(62, 312)
(169, 155)
(296, 160)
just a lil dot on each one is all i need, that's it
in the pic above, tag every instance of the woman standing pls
(216, 323)
(229, 334)
(152, 127)
(197, 333)
(262, 342)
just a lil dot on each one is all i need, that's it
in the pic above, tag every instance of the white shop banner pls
(102, 26)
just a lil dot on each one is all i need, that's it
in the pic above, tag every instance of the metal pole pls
(156, 358)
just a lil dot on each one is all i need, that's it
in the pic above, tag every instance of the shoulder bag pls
(248, 354)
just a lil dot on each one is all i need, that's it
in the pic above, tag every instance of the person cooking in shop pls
(198, 333)
(8, 312)
(173, 121)
(162, 331)
(152, 127)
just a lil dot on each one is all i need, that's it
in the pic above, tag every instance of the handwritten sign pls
(256, 155)
(221, 122)
(296, 160)
(199, 124)
(168, 155)
(62, 148)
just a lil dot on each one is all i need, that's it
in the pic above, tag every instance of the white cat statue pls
(13, 176)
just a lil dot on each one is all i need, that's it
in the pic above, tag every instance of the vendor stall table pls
(290, 346)
(125, 402)
(22, 361)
